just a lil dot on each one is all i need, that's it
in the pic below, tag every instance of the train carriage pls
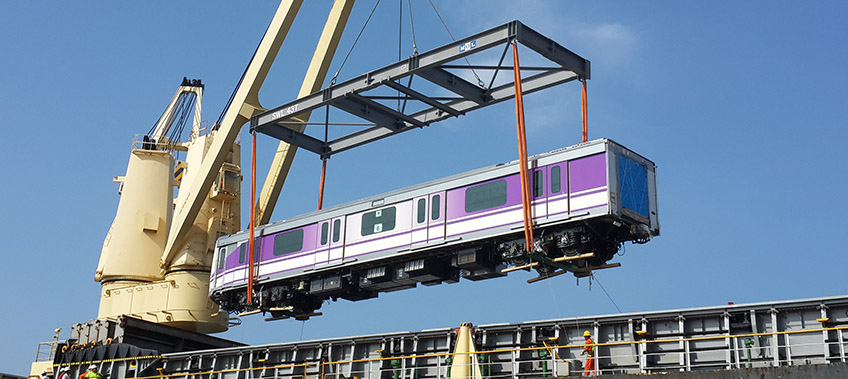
(590, 197)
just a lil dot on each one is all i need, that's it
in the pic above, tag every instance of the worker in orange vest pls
(589, 349)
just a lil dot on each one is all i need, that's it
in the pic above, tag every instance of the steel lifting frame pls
(433, 66)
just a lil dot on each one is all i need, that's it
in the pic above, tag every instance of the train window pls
(485, 196)
(437, 202)
(556, 179)
(337, 230)
(538, 183)
(378, 221)
(222, 258)
(325, 232)
(288, 242)
(422, 210)
(241, 254)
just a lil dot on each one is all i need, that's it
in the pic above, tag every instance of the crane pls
(157, 255)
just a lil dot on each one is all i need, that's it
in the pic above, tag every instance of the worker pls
(44, 375)
(589, 350)
(92, 373)
(63, 373)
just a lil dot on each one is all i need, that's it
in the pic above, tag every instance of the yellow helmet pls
(587, 334)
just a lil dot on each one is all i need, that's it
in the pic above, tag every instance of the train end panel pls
(634, 177)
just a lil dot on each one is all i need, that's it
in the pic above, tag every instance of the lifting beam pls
(358, 96)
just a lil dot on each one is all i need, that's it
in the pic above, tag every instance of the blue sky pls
(742, 105)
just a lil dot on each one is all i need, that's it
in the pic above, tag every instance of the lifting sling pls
(522, 152)
(250, 243)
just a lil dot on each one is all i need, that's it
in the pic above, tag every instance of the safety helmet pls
(44, 372)
(65, 369)
(92, 367)
(587, 334)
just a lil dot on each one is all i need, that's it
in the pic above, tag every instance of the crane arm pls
(315, 76)
(244, 104)
(163, 126)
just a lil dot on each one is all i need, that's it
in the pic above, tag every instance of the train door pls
(337, 227)
(420, 212)
(436, 218)
(558, 194)
(322, 243)
(538, 194)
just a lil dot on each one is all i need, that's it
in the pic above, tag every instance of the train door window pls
(243, 249)
(325, 232)
(257, 248)
(222, 258)
(289, 242)
(436, 211)
(538, 183)
(485, 196)
(337, 230)
(422, 210)
(556, 179)
(378, 221)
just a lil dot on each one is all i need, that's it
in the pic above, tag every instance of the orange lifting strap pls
(252, 218)
(522, 153)
(585, 114)
(321, 186)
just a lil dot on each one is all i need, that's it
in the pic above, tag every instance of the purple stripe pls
(577, 210)
(428, 227)
(377, 239)
(589, 193)
(374, 252)
(594, 206)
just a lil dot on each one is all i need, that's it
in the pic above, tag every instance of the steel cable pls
(479, 81)
(336, 75)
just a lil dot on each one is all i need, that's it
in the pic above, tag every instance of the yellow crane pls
(157, 256)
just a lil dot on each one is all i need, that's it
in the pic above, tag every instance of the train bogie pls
(586, 201)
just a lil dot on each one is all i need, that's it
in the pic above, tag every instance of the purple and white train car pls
(590, 197)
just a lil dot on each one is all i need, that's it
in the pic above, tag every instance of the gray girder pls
(351, 97)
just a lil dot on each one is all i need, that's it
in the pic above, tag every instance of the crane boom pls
(161, 129)
(244, 104)
(315, 76)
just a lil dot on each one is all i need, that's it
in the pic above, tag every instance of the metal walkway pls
(783, 333)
